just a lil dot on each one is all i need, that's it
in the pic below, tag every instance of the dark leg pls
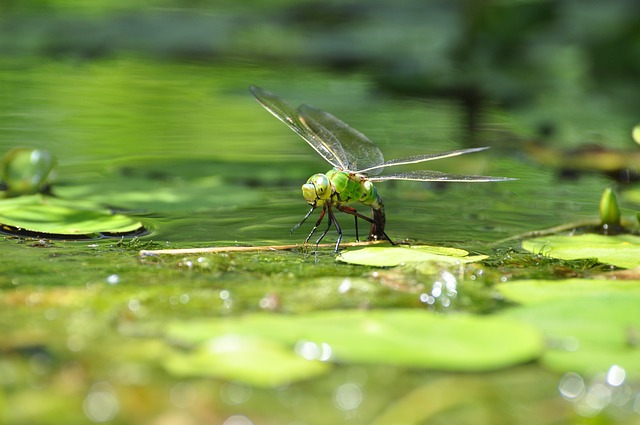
(332, 218)
(293, 229)
(377, 222)
(315, 226)
(355, 219)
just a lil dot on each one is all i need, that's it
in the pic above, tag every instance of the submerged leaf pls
(397, 255)
(620, 250)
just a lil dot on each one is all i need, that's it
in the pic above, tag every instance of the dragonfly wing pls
(361, 153)
(437, 176)
(330, 150)
(421, 158)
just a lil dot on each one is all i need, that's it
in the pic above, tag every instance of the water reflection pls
(608, 392)
(101, 404)
(443, 291)
(348, 396)
(237, 420)
(314, 351)
(234, 393)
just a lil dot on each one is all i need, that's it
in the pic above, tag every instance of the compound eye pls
(323, 186)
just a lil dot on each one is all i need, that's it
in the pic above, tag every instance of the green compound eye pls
(309, 193)
(317, 189)
(323, 186)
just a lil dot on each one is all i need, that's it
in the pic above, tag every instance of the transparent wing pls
(327, 146)
(361, 153)
(419, 158)
(437, 176)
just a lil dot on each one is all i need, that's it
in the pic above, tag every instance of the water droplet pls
(134, 305)
(345, 286)
(348, 396)
(234, 393)
(101, 405)
(616, 376)
(598, 396)
(113, 279)
(237, 420)
(312, 351)
(571, 386)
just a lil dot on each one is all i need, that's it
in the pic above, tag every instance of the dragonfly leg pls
(330, 220)
(334, 220)
(315, 226)
(356, 215)
(355, 220)
(293, 229)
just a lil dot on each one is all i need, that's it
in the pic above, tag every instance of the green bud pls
(635, 133)
(609, 210)
(24, 171)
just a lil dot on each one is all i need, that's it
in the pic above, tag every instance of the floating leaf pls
(397, 255)
(539, 291)
(55, 217)
(620, 250)
(587, 334)
(410, 338)
(246, 359)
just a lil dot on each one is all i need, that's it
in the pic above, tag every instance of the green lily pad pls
(246, 359)
(540, 291)
(620, 250)
(587, 334)
(54, 217)
(409, 338)
(396, 255)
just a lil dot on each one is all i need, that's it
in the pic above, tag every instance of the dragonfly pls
(357, 165)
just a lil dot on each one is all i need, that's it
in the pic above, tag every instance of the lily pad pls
(587, 334)
(409, 338)
(38, 215)
(397, 255)
(540, 291)
(620, 250)
(246, 359)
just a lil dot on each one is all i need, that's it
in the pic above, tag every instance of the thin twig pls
(219, 249)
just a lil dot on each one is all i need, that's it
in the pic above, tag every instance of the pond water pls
(187, 149)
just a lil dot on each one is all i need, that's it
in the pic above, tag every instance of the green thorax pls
(340, 187)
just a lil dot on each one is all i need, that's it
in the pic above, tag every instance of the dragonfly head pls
(317, 189)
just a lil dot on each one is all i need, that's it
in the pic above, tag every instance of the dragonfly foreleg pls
(293, 229)
(315, 226)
